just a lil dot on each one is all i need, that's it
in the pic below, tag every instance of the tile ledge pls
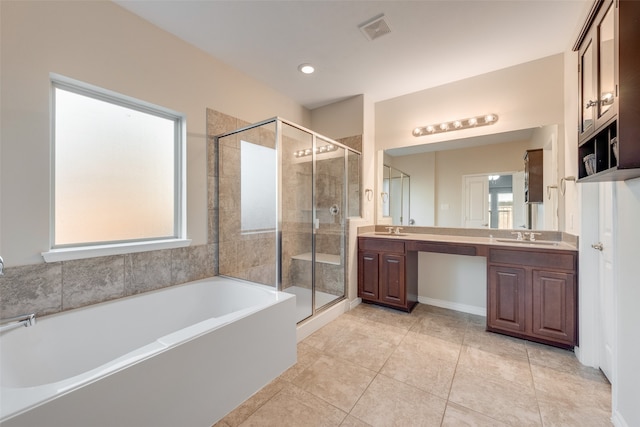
(68, 254)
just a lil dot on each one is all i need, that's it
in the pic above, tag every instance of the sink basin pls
(380, 233)
(527, 242)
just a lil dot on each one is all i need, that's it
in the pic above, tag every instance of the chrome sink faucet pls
(1, 266)
(397, 230)
(532, 236)
(519, 235)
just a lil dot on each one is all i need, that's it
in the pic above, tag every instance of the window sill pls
(68, 254)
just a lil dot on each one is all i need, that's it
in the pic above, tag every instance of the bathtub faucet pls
(18, 321)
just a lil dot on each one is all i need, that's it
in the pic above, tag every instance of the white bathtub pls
(181, 356)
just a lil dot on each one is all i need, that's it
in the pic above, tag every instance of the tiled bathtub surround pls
(54, 287)
(49, 288)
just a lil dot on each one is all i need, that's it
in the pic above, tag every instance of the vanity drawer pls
(548, 259)
(382, 244)
(443, 248)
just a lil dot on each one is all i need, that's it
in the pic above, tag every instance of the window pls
(257, 187)
(118, 170)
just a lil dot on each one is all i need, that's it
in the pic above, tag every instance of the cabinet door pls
(605, 65)
(368, 275)
(554, 300)
(506, 296)
(588, 94)
(392, 279)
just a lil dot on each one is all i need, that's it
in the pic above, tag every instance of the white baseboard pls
(617, 420)
(354, 303)
(471, 309)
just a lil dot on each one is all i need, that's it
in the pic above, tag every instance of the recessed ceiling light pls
(306, 68)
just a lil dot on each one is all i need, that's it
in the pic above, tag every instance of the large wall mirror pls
(474, 182)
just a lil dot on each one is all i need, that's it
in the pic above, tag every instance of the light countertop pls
(476, 240)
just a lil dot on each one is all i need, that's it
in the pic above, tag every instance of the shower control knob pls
(334, 210)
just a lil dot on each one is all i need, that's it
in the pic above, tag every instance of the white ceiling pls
(431, 42)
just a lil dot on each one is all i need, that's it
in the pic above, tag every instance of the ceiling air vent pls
(375, 28)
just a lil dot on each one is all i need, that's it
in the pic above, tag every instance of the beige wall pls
(340, 119)
(524, 96)
(105, 45)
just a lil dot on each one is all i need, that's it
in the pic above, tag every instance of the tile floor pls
(434, 367)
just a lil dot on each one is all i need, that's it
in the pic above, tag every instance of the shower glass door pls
(284, 196)
(329, 227)
(296, 217)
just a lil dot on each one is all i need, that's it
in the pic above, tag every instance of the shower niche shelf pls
(320, 257)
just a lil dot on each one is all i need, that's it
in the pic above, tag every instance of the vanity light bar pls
(472, 122)
(324, 149)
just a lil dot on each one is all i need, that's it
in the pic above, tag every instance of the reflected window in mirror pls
(501, 201)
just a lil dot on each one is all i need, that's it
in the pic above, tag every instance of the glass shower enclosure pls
(284, 196)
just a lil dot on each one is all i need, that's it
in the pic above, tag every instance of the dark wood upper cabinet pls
(609, 92)
(533, 176)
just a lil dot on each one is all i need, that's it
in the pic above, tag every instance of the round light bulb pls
(473, 121)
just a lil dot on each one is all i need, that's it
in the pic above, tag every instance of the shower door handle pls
(316, 224)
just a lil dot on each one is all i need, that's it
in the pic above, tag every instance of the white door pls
(476, 201)
(606, 280)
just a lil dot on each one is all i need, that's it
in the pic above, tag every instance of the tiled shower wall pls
(252, 256)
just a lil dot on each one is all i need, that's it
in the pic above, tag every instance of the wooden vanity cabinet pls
(506, 299)
(609, 92)
(383, 274)
(532, 294)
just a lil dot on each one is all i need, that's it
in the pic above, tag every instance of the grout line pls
(533, 383)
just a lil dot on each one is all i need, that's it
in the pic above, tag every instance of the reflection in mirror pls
(396, 196)
(438, 189)
(606, 81)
